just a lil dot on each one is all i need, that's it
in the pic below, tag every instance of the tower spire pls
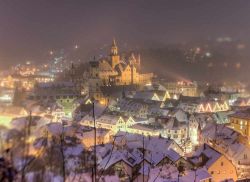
(114, 48)
(115, 58)
(114, 43)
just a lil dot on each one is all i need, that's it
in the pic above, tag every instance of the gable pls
(223, 164)
(130, 121)
(155, 97)
(166, 96)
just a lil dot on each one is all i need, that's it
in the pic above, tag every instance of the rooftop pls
(242, 114)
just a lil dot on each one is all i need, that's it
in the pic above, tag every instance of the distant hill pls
(213, 63)
(201, 61)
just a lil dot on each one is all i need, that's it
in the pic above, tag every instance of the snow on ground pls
(47, 176)
(86, 177)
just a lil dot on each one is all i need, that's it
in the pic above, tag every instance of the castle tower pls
(132, 74)
(115, 58)
(136, 61)
(132, 59)
(114, 48)
(139, 61)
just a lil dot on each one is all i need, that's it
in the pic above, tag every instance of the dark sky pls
(30, 28)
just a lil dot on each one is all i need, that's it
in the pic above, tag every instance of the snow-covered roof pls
(117, 156)
(201, 174)
(174, 124)
(55, 128)
(108, 119)
(155, 87)
(146, 95)
(146, 127)
(242, 114)
(166, 173)
(226, 138)
(73, 150)
(100, 132)
(150, 143)
(105, 118)
(155, 157)
(211, 156)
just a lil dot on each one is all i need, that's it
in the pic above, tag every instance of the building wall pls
(89, 141)
(115, 59)
(177, 135)
(182, 88)
(222, 169)
(124, 168)
(145, 78)
(140, 178)
(240, 125)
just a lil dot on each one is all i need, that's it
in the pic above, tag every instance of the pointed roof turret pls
(114, 43)
(114, 48)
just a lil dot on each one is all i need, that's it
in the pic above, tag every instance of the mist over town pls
(124, 91)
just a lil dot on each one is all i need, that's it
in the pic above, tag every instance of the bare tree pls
(62, 154)
(26, 146)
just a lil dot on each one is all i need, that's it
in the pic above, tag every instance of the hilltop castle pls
(114, 70)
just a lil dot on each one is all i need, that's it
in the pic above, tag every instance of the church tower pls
(139, 62)
(115, 58)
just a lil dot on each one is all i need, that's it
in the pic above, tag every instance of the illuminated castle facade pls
(114, 70)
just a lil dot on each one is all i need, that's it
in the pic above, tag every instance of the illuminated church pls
(115, 71)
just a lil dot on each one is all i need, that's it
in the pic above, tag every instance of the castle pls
(116, 71)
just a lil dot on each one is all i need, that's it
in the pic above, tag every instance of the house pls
(157, 95)
(176, 130)
(170, 173)
(120, 163)
(181, 87)
(63, 93)
(122, 123)
(138, 107)
(103, 136)
(132, 107)
(145, 129)
(151, 143)
(105, 121)
(242, 102)
(87, 109)
(220, 167)
(193, 126)
(212, 106)
(131, 156)
(228, 142)
(240, 122)
(202, 105)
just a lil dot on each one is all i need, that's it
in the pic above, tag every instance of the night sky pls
(30, 28)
